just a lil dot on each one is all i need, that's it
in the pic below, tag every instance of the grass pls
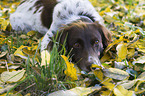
(43, 79)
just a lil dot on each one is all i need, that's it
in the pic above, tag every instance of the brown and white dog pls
(76, 20)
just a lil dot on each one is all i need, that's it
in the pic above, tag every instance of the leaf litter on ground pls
(123, 61)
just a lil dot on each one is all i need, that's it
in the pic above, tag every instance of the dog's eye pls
(76, 45)
(96, 43)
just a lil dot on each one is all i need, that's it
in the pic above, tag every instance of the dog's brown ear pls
(105, 33)
(59, 38)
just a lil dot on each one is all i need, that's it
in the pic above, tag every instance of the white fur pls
(24, 19)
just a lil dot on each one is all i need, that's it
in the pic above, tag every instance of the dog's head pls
(86, 41)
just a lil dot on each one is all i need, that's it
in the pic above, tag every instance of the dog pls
(77, 21)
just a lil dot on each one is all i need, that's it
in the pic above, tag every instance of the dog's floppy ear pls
(105, 33)
(59, 38)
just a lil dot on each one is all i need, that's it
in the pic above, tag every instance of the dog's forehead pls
(89, 30)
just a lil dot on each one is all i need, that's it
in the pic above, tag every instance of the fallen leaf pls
(3, 54)
(142, 75)
(130, 52)
(5, 89)
(71, 70)
(27, 51)
(107, 84)
(120, 65)
(139, 83)
(106, 93)
(63, 93)
(140, 60)
(116, 73)
(94, 2)
(45, 57)
(31, 33)
(121, 91)
(11, 77)
(78, 91)
(121, 51)
(19, 52)
(98, 72)
(129, 84)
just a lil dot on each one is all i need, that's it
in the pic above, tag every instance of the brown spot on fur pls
(47, 13)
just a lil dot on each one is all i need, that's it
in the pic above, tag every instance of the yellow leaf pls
(114, 43)
(98, 72)
(99, 75)
(118, 24)
(26, 51)
(121, 51)
(11, 77)
(105, 58)
(4, 25)
(121, 91)
(28, 94)
(107, 84)
(108, 9)
(1, 20)
(137, 31)
(140, 91)
(94, 2)
(23, 36)
(96, 66)
(11, 94)
(31, 33)
(45, 57)
(19, 52)
(109, 19)
(141, 46)
(131, 52)
(12, 9)
(106, 93)
(102, 13)
(34, 47)
(144, 22)
(140, 82)
(70, 71)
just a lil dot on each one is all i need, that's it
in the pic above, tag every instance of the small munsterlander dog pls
(75, 20)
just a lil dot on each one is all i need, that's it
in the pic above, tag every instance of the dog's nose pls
(94, 60)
